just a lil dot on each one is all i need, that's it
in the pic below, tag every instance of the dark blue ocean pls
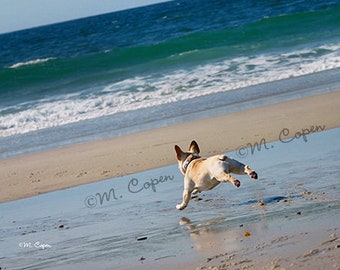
(121, 72)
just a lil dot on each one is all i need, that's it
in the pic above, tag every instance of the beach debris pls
(261, 203)
(280, 239)
(275, 264)
(247, 234)
(311, 253)
(333, 237)
(61, 226)
(299, 213)
(226, 261)
(165, 257)
(82, 173)
(32, 231)
(106, 172)
(222, 255)
(141, 238)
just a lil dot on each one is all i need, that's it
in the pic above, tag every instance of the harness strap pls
(187, 162)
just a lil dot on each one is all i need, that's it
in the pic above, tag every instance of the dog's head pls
(184, 158)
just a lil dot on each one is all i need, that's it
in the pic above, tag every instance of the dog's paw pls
(180, 207)
(253, 175)
(237, 183)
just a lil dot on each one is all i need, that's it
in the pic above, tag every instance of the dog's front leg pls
(189, 187)
(186, 199)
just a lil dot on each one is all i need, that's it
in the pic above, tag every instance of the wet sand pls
(293, 242)
(287, 219)
(58, 169)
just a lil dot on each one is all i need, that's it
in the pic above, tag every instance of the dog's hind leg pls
(250, 172)
(237, 167)
(224, 177)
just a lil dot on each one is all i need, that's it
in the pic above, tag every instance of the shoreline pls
(57, 169)
(152, 117)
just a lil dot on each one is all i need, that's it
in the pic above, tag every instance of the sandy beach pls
(286, 220)
(57, 169)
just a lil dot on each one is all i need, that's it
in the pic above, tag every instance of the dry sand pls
(57, 169)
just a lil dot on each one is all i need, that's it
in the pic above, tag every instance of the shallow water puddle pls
(132, 221)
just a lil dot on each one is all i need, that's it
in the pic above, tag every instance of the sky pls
(23, 14)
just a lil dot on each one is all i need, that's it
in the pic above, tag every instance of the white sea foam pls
(31, 62)
(157, 89)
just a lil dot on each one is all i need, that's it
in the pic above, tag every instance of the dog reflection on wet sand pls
(202, 174)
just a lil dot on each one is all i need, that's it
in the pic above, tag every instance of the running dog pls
(206, 173)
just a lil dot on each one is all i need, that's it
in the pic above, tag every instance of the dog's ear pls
(194, 147)
(178, 152)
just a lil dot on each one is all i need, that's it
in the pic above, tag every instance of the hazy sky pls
(22, 14)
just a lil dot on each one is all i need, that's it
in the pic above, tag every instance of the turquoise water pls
(127, 67)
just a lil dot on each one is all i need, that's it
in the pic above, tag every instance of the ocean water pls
(120, 72)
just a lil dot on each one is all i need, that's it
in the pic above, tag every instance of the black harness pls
(187, 162)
